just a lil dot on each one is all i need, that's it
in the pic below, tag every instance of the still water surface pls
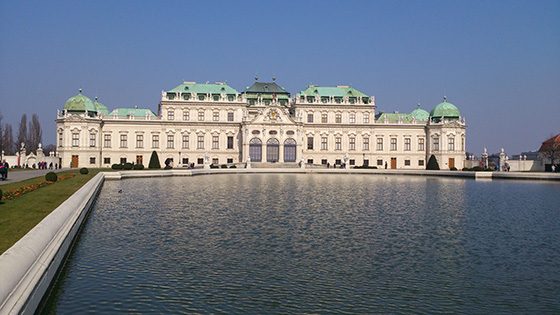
(316, 244)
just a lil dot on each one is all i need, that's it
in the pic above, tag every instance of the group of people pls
(4, 170)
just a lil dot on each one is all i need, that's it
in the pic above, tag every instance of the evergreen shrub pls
(477, 169)
(51, 177)
(117, 166)
(453, 168)
(168, 167)
(214, 166)
(138, 166)
(154, 161)
(432, 163)
(233, 166)
(224, 166)
(466, 169)
(128, 166)
(84, 170)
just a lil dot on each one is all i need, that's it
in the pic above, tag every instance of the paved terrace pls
(18, 176)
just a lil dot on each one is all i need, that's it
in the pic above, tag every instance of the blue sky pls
(497, 61)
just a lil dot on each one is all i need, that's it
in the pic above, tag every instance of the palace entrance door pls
(272, 150)
(451, 162)
(255, 150)
(394, 162)
(74, 161)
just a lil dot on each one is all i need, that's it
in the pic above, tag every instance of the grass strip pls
(20, 215)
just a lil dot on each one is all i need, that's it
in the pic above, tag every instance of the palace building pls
(263, 124)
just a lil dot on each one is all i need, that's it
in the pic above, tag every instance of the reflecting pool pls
(296, 243)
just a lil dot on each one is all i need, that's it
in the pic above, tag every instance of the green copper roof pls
(79, 103)
(420, 114)
(266, 88)
(137, 112)
(101, 109)
(334, 91)
(395, 117)
(445, 109)
(193, 87)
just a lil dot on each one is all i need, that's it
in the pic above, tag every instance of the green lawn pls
(20, 215)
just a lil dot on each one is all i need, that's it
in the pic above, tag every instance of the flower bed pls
(9, 195)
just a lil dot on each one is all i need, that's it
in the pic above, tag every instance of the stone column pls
(502, 159)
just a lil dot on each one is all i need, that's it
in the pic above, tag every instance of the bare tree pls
(35, 134)
(8, 140)
(551, 148)
(22, 134)
(48, 149)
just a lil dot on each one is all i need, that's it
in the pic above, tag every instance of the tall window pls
(352, 118)
(310, 117)
(436, 144)
(463, 143)
(201, 115)
(324, 118)
(107, 141)
(124, 141)
(451, 144)
(75, 139)
(186, 115)
(170, 142)
(92, 139)
(230, 116)
(338, 143)
(338, 118)
(60, 139)
(324, 143)
(420, 144)
(170, 115)
(155, 141)
(366, 118)
(352, 143)
(185, 142)
(200, 142)
(215, 142)
(393, 144)
(139, 141)
(230, 142)
(379, 144)
(216, 116)
(366, 144)
(407, 144)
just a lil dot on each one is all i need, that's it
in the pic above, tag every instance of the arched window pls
(290, 150)
(255, 150)
(272, 150)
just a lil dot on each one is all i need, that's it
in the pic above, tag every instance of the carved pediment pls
(273, 115)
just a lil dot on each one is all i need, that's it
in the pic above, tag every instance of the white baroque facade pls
(264, 124)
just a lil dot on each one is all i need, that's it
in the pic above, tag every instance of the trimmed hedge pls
(453, 168)
(138, 166)
(117, 166)
(51, 177)
(84, 171)
(167, 167)
(224, 166)
(233, 166)
(128, 166)
(432, 163)
(154, 161)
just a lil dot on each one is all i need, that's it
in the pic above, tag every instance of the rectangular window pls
(215, 116)
(185, 161)
(92, 160)
(123, 160)
(201, 115)
(309, 161)
(124, 141)
(215, 161)
(324, 143)
(379, 162)
(310, 117)
(451, 146)
(185, 142)
(106, 160)
(352, 162)
(407, 144)
(338, 118)
(92, 140)
(60, 139)
(407, 162)
(324, 161)
(186, 115)
(171, 115)
(229, 160)
(139, 141)
(230, 116)
(366, 118)
(352, 118)
(366, 144)
(436, 144)
(200, 143)
(366, 162)
(75, 139)
(379, 144)
(155, 141)
(324, 118)
(230, 142)
(215, 142)
(420, 162)
(309, 143)
(170, 142)
(352, 144)
(393, 144)
(421, 144)
(338, 143)
(200, 161)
